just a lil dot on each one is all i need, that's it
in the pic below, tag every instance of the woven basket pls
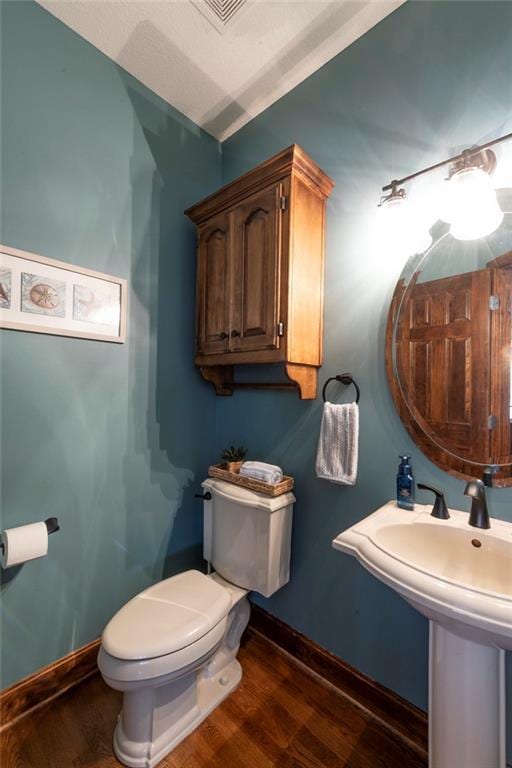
(268, 489)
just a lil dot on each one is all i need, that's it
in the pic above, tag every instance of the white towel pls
(336, 457)
(259, 470)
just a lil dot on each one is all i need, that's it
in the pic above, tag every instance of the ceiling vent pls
(220, 13)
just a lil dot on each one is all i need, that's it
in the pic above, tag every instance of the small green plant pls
(233, 454)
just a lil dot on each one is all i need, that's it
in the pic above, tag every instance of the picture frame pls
(43, 295)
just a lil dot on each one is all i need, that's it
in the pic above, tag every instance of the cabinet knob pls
(234, 334)
(223, 335)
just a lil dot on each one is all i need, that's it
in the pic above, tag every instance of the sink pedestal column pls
(466, 702)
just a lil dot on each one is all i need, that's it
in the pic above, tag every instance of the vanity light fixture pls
(470, 204)
(472, 208)
(399, 223)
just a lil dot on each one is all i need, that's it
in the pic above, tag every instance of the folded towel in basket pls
(259, 470)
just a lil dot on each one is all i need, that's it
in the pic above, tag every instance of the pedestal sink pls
(460, 578)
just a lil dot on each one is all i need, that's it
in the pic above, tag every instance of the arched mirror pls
(448, 351)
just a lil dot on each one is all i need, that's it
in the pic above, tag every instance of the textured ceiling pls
(220, 62)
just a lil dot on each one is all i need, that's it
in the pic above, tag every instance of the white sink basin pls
(478, 561)
(460, 578)
(435, 565)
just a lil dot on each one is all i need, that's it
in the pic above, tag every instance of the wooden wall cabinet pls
(260, 273)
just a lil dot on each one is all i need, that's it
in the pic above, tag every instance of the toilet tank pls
(247, 536)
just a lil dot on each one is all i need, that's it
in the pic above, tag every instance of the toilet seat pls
(166, 618)
(124, 675)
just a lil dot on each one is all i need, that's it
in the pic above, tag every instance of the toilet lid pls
(166, 617)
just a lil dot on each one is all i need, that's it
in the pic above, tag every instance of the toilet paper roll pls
(24, 543)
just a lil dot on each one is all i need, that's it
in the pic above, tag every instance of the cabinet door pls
(256, 271)
(213, 287)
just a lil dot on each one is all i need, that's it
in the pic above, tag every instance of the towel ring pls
(343, 378)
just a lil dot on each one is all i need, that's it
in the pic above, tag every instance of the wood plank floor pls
(281, 715)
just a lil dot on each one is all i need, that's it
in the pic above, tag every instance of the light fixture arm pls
(461, 157)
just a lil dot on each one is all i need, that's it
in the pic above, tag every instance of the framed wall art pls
(47, 296)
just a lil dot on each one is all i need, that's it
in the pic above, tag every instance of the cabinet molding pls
(260, 273)
(293, 159)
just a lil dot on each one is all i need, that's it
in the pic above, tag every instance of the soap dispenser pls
(405, 484)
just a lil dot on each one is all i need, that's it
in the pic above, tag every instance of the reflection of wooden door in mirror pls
(442, 355)
(501, 335)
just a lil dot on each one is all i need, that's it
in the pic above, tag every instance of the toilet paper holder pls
(52, 526)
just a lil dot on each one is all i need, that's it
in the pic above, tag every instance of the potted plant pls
(233, 458)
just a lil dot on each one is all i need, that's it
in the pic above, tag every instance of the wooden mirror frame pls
(414, 423)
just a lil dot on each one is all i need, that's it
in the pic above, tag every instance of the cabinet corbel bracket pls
(302, 378)
(221, 376)
(305, 378)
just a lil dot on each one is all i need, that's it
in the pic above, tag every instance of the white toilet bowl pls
(172, 651)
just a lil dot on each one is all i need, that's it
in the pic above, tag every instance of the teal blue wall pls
(430, 78)
(96, 170)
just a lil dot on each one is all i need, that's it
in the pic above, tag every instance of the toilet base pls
(210, 691)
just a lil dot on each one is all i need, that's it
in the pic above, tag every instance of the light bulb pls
(401, 227)
(471, 206)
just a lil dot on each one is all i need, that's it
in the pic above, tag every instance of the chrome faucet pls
(479, 514)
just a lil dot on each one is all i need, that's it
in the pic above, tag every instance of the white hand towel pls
(337, 453)
(259, 470)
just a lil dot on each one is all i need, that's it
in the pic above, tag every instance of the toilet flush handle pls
(205, 496)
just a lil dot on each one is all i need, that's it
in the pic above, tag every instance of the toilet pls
(172, 649)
